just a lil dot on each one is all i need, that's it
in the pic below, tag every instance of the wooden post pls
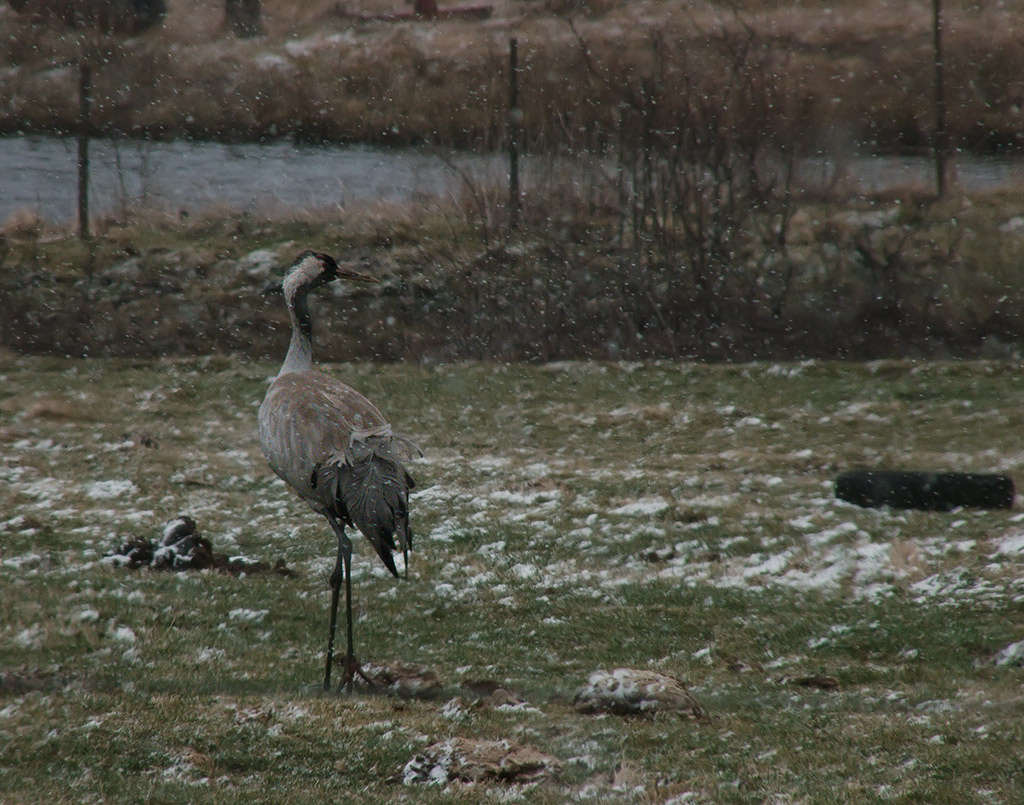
(514, 115)
(84, 93)
(426, 8)
(941, 144)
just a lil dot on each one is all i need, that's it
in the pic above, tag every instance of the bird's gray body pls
(335, 449)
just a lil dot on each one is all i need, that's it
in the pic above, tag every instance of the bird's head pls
(312, 269)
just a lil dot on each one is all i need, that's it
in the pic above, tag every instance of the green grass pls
(570, 517)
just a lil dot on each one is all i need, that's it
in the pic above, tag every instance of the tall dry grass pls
(857, 73)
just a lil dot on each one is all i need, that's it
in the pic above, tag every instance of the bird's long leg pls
(343, 572)
(335, 589)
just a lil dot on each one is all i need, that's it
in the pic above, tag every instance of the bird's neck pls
(300, 350)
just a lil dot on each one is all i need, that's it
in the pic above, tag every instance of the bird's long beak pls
(346, 273)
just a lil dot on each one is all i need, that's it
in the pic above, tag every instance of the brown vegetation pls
(857, 280)
(847, 73)
(675, 229)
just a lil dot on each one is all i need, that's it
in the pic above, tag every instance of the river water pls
(38, 174)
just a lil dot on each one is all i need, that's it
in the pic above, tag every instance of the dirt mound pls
(627, 691)
(468, 760)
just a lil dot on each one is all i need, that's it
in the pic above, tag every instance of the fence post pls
(425, 8)
(941, 135)
(84, 96)
(514, 114)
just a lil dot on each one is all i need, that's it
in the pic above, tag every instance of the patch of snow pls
(453, 710)
(259, 264)
(644, 506)
(525, 571)
(248, 615)
(299, 48)
(489, 463)
(681, 799)
(1013, 654)
(25, 559)
(105, 490)
(492, 548)
(29, 638)
(445, 532)
(1013, 226)
(829, 534)
(1011, 545)
(703, 655)
(770, 566)
(48, 488)
(524, 499)
(271, 61)
(210, 654)
(123, 634)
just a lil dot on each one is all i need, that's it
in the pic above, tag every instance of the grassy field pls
(570, 517)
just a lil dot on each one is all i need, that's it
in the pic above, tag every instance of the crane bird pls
(335, 449)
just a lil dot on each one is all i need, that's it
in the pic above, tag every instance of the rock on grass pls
(182, 547)
(628, 691)
(468, 760)
(402, 680)
(488, 693)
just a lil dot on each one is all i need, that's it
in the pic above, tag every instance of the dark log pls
(929, 491)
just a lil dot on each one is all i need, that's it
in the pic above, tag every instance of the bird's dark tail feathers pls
(371, 488)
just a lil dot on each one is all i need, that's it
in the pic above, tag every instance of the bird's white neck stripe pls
(301, 278)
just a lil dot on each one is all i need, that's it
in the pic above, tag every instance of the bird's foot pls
(350, 669)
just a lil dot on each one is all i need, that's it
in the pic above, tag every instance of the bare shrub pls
(698, 170)
(110, 16)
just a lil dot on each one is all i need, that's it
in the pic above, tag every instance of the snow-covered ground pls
(548, 496)
(763, 516)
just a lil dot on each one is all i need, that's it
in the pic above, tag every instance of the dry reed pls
(855, 72)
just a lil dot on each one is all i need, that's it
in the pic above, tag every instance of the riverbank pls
(852, 75)
(893, 277)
